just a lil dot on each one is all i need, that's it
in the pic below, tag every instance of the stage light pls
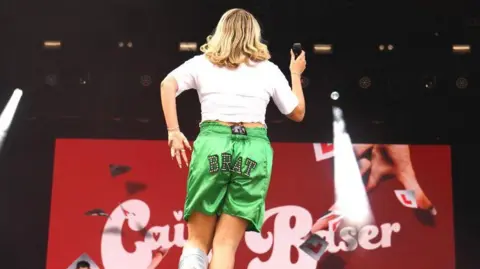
(388, 47)
(85, 79)
(365, 82)
(430, 82)
(121, 44)
(473, 22)
(143, 120)
(322, 49)
(51, 80)
(334, 95)
(52, 44)
(461, 83)
(461, 49)
(187, 46)
(350, 194)
(130, 44)
(145, 80)
(8, 112)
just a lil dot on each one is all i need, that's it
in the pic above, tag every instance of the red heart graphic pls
(156, 236)
(326, 148)
(315, 247)
(406, 200)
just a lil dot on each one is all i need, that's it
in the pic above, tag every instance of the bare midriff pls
(245, 124)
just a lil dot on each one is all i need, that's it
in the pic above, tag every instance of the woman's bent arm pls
(299, 112)
(168, 89)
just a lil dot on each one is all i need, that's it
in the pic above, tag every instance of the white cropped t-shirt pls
(238, 95)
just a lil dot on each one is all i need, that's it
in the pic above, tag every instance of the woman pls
(232, 159)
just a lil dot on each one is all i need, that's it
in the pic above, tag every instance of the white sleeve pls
(186, 75)
(282, 96)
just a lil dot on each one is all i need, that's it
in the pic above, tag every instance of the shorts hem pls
(188, 213)
(252, 225)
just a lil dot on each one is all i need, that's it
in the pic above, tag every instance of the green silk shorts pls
(229, 173)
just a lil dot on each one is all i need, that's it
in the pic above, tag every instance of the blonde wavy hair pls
(237, 39)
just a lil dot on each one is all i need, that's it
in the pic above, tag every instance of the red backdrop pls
(301, 191)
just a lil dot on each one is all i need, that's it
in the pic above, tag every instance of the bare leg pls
(228, 233)
(201, 229)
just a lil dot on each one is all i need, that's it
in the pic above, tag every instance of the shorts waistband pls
(218, 128)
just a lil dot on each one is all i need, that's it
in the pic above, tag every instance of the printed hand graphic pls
(391, 162)
(378, 163)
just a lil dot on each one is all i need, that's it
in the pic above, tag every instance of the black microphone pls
(297, 50)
